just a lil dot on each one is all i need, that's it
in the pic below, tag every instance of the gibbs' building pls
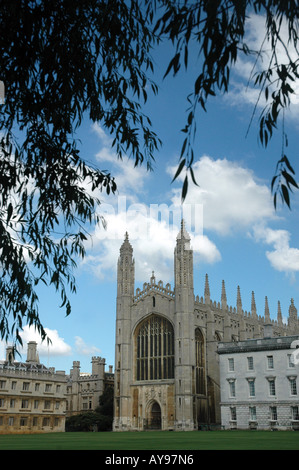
(166, 361)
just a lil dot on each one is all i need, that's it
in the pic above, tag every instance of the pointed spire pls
(184, 233)
(253, 305)
(207, 290)
(153, 279)
(183, 259)
(223, 296)
(267, 311)
(183, 236)
(279, 314)
(125, 269)
(126, 246)
(239, 301)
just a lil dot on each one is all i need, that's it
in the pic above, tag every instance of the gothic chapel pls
(166, 361)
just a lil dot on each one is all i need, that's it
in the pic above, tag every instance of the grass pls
(205, 440)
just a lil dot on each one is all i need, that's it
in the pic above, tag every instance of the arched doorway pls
(154, 421)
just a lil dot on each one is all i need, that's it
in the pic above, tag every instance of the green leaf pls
(179, 170)
(192, 176)
(286, 160)
(285, 194)
(289, 179)
(185, 188)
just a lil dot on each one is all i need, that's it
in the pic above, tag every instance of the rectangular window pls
(232, 388)
(23, 421)
(47, 404)
(12, 403)
(293, 385)
(24, 404)
(252, 413)
(48, 388)
(270, 362)
(2, 402)
(2, 384)
(250, 363)
(37, 387)
(13, 385)
(231, 364)
(272, 391)
(233, 413)
(273, 413)
(26, 386)
(251, 384)
(295, 413)
(10, 421)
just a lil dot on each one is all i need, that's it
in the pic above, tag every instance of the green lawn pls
(202, 440)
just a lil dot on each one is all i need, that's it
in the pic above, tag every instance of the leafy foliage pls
(218, 30)
(64, 61)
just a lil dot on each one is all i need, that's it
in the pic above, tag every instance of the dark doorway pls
(154, 421)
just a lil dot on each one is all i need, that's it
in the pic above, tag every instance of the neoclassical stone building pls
(32, 396)
(166, 361)
(259, 383)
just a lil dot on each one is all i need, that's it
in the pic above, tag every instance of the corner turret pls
(126, 269)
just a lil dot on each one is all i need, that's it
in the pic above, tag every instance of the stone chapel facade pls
(166, 361)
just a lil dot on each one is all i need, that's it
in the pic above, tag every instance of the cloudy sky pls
(235, 232)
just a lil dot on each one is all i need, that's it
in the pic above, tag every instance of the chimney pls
(32, 355)
(10, 354)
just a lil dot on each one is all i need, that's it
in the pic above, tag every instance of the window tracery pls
(155, 349)
(199, 362)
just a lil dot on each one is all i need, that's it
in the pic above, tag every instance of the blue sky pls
(239, 237)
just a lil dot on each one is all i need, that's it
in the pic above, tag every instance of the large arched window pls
(155, 349)
(200, 362)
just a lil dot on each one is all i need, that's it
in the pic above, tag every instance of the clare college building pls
(167, 373)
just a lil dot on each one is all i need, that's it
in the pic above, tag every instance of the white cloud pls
(153, 240)
(205, 250)
(58, 347)
(231, 196)
(229, 200)
(82, 348)
(234, 201)
(152, 228)
(282, 257)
